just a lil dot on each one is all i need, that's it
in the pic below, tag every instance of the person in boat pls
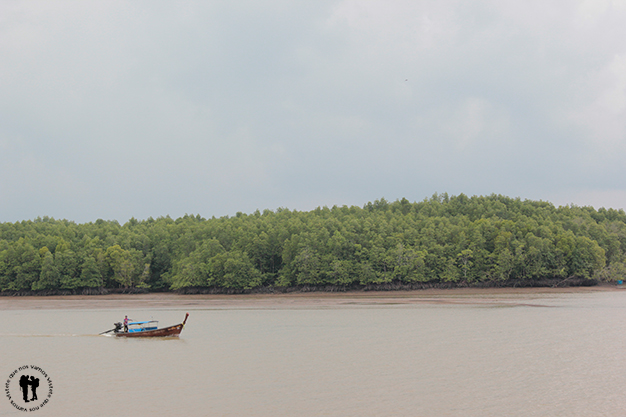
(126, 320)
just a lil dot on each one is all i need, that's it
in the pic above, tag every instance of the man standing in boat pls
(126, 320)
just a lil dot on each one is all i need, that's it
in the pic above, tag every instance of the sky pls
(119, 109)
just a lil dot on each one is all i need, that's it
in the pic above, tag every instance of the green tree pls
(68, 264)
(234, 270)
(121, 262)
(307, 265)
(49, 276)
(90, 274)
(465, 262)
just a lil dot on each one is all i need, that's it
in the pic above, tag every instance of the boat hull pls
(164, 332)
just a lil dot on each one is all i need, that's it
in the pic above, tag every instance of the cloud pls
(604, 115)
(119, 109)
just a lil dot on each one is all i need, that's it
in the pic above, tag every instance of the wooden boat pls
(149, 329)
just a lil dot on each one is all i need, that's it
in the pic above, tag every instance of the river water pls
(546, 354)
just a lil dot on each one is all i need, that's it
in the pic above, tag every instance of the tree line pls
(442, 241)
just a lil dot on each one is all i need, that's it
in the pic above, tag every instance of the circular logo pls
(28, 388)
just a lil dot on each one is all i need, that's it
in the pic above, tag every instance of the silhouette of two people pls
(25, 382)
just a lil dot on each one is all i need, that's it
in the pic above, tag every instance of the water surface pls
(525, 355)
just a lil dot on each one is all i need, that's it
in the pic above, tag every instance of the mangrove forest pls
(443, 241)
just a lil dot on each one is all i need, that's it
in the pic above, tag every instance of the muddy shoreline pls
(293, 300)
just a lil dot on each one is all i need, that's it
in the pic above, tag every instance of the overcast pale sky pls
(118, 109)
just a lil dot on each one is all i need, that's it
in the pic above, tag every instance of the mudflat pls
(489, 296)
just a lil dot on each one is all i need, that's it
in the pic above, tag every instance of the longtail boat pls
(148, 329)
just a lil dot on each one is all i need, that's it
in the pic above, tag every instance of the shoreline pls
(293, 300)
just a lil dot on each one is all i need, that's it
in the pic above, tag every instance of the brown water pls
(519, 355)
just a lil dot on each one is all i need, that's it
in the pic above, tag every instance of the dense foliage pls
(492, 240)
